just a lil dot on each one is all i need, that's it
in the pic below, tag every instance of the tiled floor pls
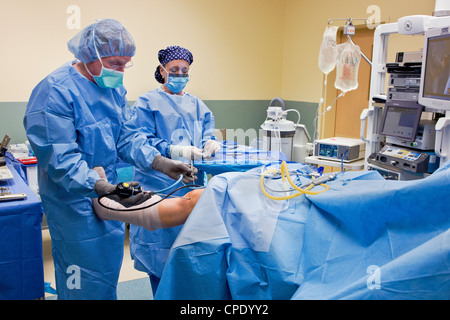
(127, 272)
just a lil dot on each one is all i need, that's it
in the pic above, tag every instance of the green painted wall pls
(229, 114)
(11, 121)
(245, 114)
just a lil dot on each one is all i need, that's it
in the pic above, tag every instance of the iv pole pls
(349, 30)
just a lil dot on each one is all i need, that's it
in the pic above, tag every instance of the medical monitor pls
(401, 119)
(435, 79)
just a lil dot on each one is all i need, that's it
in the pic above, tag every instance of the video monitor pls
(435, 78)
(401, 119)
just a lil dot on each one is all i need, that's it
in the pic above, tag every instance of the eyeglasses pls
(117, 64)
(129, 64)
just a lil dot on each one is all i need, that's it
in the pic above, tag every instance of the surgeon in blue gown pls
(76, 120)
(181, 127)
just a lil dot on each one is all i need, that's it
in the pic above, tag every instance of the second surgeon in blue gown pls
(179, 126)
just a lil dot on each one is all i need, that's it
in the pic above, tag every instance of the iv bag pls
(328, 51)
(347, 65)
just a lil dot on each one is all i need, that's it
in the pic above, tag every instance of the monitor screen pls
(436, 69)
(401, 119)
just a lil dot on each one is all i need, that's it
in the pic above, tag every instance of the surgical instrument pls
(320, 180)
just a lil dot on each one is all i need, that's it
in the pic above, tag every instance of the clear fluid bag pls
(328, 50)
(347, 65)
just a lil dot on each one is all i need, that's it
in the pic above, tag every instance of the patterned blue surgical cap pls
(169, 54)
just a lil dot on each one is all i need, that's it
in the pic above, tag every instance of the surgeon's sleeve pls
(52, 135)
(144, 120)
(132, 146)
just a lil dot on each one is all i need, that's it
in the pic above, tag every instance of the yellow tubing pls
(284, 175)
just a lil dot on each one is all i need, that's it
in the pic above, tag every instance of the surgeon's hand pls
(211, 147)
(103, 187)
(185, 152)
(174, 168)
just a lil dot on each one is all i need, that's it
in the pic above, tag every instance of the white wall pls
(243, 49)
(237, 44)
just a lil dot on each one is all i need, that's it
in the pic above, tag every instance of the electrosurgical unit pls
(403, 158)
(338, 148)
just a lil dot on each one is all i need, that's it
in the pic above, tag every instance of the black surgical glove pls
(174, 168)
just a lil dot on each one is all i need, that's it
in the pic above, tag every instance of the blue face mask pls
(109, 78)
(176, 82)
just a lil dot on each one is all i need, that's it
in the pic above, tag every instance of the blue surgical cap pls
(169, 54)
(109, 37)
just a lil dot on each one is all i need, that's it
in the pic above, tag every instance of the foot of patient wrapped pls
(165, 214)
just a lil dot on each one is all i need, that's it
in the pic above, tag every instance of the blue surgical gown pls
(73, 125)
(165, 119)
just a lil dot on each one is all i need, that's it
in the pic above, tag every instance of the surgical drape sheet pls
(238, 158)
(365, 238)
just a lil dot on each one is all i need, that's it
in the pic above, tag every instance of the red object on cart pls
(28, 160)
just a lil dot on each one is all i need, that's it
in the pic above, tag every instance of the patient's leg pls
(168, 213)
(174, 212)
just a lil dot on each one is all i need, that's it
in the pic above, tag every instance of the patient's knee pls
(193, 195)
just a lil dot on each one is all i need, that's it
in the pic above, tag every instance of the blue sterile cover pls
(365, 238)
